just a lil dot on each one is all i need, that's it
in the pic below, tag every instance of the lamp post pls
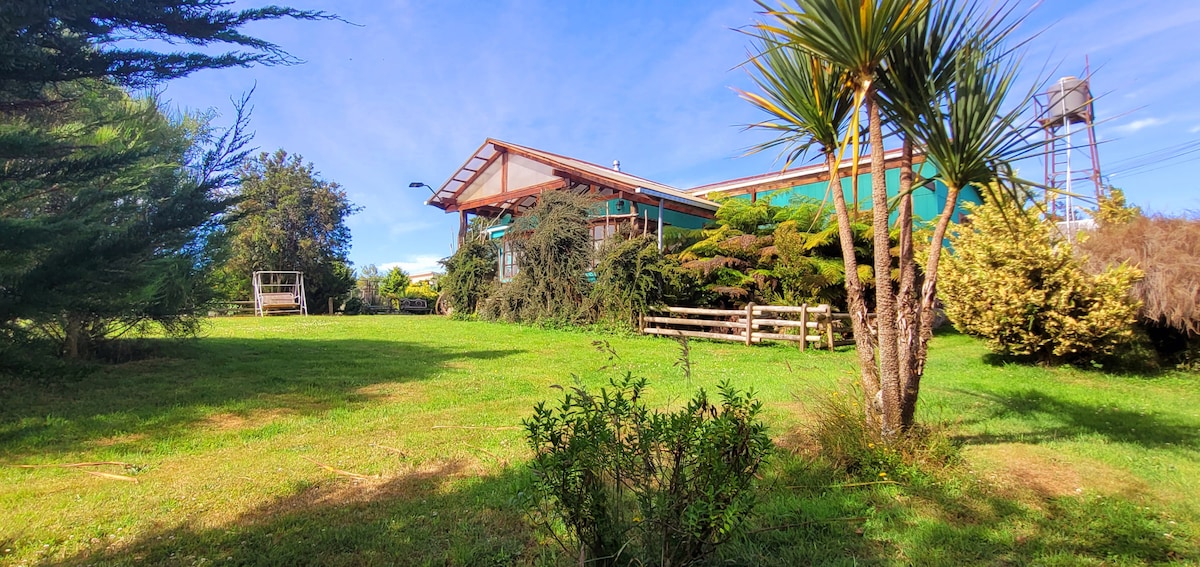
(416, 184)
(462, 215)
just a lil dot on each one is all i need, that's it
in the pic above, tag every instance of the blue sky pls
(412, 90)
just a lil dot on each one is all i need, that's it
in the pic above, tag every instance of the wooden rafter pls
(475, 175)
(532, 190)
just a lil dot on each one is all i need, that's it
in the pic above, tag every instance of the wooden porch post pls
(462, 227)
(660, 226)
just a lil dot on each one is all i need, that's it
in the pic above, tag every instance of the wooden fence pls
(801, 324)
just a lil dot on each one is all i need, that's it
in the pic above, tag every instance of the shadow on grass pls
(192, 380)
(953, 521)
(437, 516)
(1056, 418)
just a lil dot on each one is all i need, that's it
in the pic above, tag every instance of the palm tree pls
(939, 75)
(810, 106)
(856, 37)
(945, 89)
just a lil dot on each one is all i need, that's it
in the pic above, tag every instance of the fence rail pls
(817, 324)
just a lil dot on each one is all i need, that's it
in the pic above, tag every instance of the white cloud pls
(1137, 125)
(414, 265)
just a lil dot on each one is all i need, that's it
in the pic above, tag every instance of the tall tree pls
(288, 218)
(937, 72)
(395, 284)
(109, 208)
(126, 234)
(47, 43)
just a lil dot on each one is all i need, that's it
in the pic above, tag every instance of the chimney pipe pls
(616, 165)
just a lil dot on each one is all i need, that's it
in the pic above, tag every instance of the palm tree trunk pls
(908, 312)
(925, 316)
(885, 295)
(864, 342)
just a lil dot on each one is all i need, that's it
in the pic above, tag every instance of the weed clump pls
(848, 440)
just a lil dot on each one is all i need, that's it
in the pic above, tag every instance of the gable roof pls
(531, 171)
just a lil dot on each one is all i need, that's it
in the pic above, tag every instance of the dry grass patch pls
(1035, 474)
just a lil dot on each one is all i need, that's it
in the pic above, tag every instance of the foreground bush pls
(1015, 282)
(633, 485)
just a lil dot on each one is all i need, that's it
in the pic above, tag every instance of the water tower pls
(1072, 169)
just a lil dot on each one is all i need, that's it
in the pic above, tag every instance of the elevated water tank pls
(1069, 99)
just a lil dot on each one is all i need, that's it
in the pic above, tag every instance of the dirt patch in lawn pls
(228, 421)
(1031, 472)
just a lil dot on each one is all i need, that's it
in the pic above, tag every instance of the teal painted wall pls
(625, 207)
(927, 203)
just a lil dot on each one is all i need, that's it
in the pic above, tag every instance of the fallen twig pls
(336, 470)
(486, 452)
(392, 449)
(112, 476)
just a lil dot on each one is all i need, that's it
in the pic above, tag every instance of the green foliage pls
(420, 290)
(394, 285)
(771, 254)
(46, 44)
(470, 271)
(288, 218)
(665, 488)
(354, 306)
(1014, 282)
(633, 278)
(553, 247)
(1112, 209)
(118, 224)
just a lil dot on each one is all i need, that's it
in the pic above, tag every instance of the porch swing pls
(279, 293)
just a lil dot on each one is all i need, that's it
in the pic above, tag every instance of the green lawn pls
(232, 439)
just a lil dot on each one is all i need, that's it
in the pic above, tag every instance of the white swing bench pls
(279, 293)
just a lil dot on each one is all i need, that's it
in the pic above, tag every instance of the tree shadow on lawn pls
(438, 515)
(193, 380)
(830, 519)
(1051, 418)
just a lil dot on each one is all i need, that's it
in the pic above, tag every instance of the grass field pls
(395, 440)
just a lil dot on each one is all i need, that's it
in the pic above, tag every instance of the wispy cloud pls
(1137, 125)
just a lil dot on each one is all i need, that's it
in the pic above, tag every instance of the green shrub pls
(631, 484)
(420, 290)
(393, 285)
(470, 272)
(632, 278)
(353, 306)
(1015, 282)
(553, 249)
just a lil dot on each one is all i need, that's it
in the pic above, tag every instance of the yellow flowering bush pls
(1015, 281)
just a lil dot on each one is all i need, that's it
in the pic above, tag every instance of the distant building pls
(502, 180)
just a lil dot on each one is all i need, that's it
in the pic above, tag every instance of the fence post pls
(331, 306)
(749, 323)
(803, 327)
(829, 325)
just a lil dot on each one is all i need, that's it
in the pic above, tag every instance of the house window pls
(508, 261)
(601, 232)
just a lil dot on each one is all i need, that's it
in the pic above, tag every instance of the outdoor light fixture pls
(416, 184)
